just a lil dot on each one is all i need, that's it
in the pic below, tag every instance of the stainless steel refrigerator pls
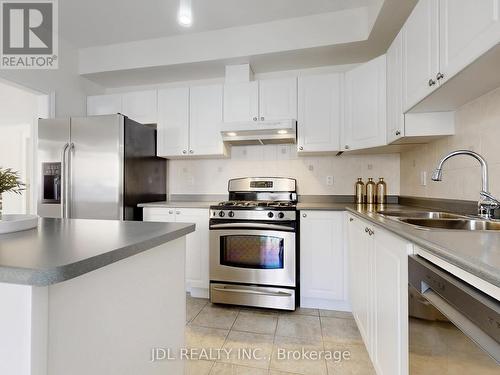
(98, 167)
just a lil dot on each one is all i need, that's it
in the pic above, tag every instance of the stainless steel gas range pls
(254, 244)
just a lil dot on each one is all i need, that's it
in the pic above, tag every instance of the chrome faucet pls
(487, 203)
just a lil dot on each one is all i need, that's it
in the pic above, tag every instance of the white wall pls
(70, 89)
(477, 127)
(211, 176)
(18, 113)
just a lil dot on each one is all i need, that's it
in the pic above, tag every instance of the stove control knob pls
(230, 214)
(270, 215)
(281, 215)
(222, 213)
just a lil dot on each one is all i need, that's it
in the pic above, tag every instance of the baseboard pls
(198, 292)
(324, 304)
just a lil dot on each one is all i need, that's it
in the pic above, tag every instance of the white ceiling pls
(99, 22)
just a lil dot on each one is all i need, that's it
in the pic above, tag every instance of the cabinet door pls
(173, 122)
(197, 244)
(158, 214)
(141, 106)
(205, 118)
(360, 268)
(278, 99)
(104, 104)
(390, 291)
(420, 53)
(241, 102)
(467, 29)
(320, 113)
(323, 263)
(365, 108)
(395, 116)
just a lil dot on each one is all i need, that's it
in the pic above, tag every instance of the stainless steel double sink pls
(441, 220)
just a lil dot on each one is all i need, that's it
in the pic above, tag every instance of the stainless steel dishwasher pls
(454, 327)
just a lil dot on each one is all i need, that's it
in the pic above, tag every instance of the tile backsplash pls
(477, 125)
(211, 176)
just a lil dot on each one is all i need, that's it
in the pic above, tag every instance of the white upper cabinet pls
(278, 99)
(467, 29)
(241, 102)
(141, 106)
(323, 260)
(420, 53)
(104, 104)
(365, 106)
(173, 122)
(205, 118)
(189, 122)
(395, 116)
(320, 112)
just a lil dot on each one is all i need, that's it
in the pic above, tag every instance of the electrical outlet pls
(329, 180)
(423, 178)
(370, 167)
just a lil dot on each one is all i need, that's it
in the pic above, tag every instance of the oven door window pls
(246, 251)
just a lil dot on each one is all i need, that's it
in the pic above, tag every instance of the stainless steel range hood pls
(259, 132)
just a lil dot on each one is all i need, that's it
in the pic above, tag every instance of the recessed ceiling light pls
(185, 15)
(282, 131)
(231, 134)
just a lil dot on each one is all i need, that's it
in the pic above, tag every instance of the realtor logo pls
(28, 34)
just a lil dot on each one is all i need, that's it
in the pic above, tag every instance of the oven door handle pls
(250, 291)
(252, 226)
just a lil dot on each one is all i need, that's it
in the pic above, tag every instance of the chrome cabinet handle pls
(170, 212)
(253, 226)
(370, 232)
(439, 76)
(262, 118)
(71, 149)
(398, 132)
(255, 118)
(351, 219)
(366, 229)
(346, 147)
(301, 148)
(191, 151)
(177, 212)
(432, 82)
(184, 151)
(63, 180)
(304, 215)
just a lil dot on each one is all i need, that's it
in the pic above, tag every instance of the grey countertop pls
(477, 252)
(324, 206)
(178, 204)
(60, 250)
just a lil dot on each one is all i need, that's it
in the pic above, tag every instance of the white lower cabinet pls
(197, 243)
(378, 268)
(323, 260)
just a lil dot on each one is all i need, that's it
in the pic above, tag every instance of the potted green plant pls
(9, 182)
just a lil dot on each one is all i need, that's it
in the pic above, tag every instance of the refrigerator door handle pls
(71, 149)
(63, 180)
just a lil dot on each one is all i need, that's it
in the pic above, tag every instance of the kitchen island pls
(92, 297)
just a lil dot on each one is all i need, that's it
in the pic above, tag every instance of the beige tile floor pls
(232, 328)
